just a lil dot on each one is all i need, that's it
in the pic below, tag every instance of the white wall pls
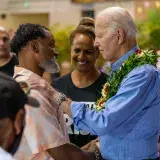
(37, 12)
(128, 5)
(65, 12)
(3, 6)
(58, 11)
(35, 6)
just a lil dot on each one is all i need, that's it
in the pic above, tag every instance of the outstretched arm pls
(137, 90)
(71, 152)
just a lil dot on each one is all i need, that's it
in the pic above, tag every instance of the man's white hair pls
(116, 18)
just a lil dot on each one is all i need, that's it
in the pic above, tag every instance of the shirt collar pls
(22, 71)
(115, 66)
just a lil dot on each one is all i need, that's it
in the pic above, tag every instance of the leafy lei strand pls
(138, 59)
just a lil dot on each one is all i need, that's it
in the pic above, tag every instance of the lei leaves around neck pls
(110, 88)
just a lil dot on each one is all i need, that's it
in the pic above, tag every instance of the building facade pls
(65, 12)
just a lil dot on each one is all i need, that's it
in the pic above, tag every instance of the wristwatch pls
(61, 97)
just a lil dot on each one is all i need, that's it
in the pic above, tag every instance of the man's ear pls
(120, 36)
(18, 123)
(34, 46)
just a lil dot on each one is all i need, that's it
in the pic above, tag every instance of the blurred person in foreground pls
(45, 135)
(7, 59)
(85, 82)
(12, 114)
(126, 118)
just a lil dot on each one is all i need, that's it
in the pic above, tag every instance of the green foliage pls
(61, 35)
(149, 31)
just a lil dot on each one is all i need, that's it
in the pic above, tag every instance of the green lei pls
(111, 87)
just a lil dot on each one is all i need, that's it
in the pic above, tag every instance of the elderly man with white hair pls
(126, 117)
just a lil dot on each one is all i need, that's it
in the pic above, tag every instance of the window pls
(88, 13)
(82, 1)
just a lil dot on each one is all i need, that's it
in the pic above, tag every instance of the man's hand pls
(71, 152)
(65, 106)
(91, 145)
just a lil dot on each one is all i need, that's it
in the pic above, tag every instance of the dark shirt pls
(9, 67)
(91, 93)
